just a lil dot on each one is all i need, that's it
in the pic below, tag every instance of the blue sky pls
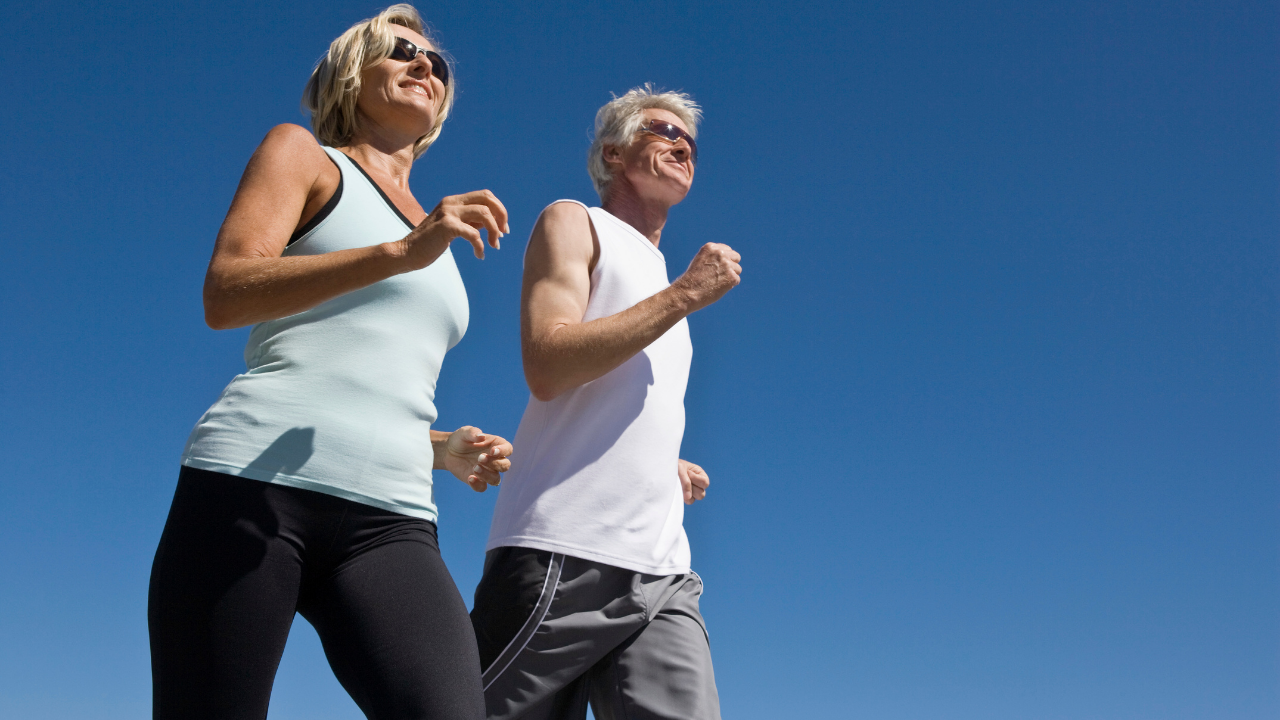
(991, 420)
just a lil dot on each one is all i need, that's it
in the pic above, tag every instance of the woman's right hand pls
(457, 216)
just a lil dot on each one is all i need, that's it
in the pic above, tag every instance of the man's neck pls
(648, 218)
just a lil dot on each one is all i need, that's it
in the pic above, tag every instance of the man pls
(587, 591)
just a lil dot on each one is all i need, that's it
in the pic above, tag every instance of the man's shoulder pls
(565, 226)
(566, 211)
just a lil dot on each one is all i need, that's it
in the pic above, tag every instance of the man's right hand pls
(715, 270)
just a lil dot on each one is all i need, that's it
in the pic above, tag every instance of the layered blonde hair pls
(331, 93)
(619, 120)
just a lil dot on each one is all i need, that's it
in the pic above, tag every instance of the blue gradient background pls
(991, 421)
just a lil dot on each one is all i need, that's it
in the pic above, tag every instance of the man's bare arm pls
(562, 352)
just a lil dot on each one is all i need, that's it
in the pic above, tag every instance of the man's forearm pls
(568, 355)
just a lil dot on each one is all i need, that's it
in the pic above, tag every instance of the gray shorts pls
(556, 631)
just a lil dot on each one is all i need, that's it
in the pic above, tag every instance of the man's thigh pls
(543, 620)
(663, 670)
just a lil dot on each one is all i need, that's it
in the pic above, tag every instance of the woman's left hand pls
(474, 457)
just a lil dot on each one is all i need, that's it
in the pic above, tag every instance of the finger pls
(471, 235)
(477, 484)
(499, 465)
(701, 481)
(501, 447)
(699, 493)
(489, 477)
(481, 217)
(491, 201)
(459, 229)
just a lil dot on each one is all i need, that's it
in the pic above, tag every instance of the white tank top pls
(594, 470)
(340, 398)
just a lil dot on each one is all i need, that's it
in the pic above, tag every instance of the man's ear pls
(611, 154)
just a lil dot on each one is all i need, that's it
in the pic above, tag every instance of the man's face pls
(655, 167)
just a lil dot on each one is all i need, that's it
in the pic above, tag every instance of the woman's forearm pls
(241, 291)
(439, 449)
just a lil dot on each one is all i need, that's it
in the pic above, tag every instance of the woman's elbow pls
(217, 313)
(215, 319)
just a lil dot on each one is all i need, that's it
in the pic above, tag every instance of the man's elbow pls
(543, 388)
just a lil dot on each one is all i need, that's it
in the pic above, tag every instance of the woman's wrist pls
(439, 448)
(396, 253)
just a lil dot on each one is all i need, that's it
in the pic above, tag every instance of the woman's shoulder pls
(290, 154)
(293, 141)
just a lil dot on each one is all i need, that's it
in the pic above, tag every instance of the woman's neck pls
(388, 154)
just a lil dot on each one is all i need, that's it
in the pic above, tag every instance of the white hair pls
(619, 120)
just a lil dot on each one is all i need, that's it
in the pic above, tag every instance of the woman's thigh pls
(224, 586)
(396, 631)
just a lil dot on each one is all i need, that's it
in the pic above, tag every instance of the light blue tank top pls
(339, 399)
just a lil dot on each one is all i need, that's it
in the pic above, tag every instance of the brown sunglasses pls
(672, 134)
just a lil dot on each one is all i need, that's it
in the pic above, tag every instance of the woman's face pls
(402, 95)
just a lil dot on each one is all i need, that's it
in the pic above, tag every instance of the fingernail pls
(475, 469)
(506, 227)
(483, 457)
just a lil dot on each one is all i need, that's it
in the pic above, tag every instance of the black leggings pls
(239, 557)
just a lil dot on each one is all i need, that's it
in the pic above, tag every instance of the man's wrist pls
(681, 299)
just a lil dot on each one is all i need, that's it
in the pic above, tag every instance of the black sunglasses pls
(406, 51)
(672, 134)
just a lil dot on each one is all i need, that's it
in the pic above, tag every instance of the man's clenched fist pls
(715, 270)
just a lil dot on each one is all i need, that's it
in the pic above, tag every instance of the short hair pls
(619, 120)
(331, 93)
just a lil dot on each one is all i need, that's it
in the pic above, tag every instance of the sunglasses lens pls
(405, 51)
(439, 67)
(673, 134)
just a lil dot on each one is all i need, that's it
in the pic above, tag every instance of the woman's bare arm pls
(248, 281)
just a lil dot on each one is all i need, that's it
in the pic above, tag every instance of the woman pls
(307, 486)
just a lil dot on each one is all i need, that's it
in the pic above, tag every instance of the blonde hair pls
(331, 93)
(619, 120)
